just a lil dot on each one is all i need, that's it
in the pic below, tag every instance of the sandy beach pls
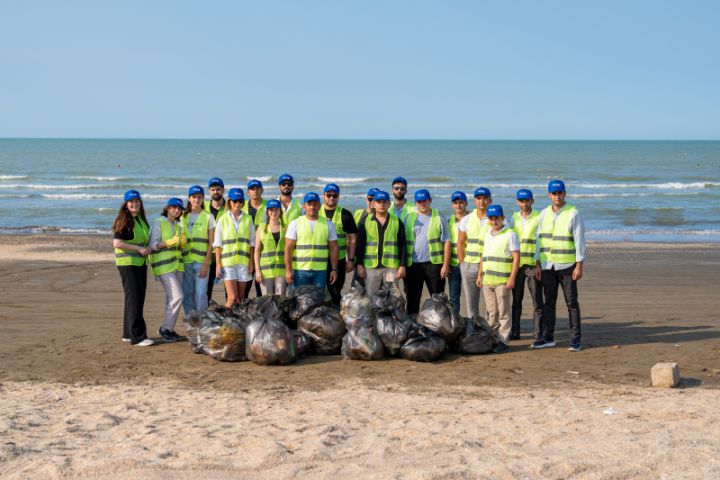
(76, 402)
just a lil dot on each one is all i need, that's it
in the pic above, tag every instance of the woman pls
(199, 226)
(269, 250)
(234, 245)
(166, 240)
(130, 239)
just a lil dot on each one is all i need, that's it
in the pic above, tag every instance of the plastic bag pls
(270, 306)
(392, 332)
(325, 328)
(476, 338)
(423, 345)
(439, 316)
(388, 299)
(193, 324)
(362, 343)
(303, 343)
(225, 342)
(269, 342)
(356, 308)
(307, 297)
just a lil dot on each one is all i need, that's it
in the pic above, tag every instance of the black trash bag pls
(271, 306)
(439, 316)
(269, 342)
(423, 345)
(356, 308)
(392, 332)
(388, 298)
(303, 343)
(306, 298)
(476, 338)
(325, 327)
(225, 342)
(240, 310)
(362, 343)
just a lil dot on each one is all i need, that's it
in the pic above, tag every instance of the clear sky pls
(361, 69)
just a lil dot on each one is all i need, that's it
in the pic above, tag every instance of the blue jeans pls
(310, 277)
(454, 286)
(195, 296)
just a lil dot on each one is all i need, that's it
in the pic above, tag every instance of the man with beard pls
(216, 207)
(401, 208)
(290, 207)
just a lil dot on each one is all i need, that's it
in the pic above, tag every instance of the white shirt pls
(462, 225)
(292, 230)
(156, 233)
(513, 244)
(236, 221)
(192, 218)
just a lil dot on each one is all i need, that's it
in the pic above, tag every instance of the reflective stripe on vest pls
(476, 230)
(272, 264)
(235, 244)
(128, 258)
(526, 229)
(390, 248)
(220, 213)
(293, 211)
(259, 213)
(435, 245)
(555, 241)
(311, 248)
(167, 259)
(197, 239)
(497, 266)
(342, 236)
(453, 225)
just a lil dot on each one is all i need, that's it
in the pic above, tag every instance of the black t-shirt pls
(127, 234)
(252, 211)
(276, 236)
(348, 222)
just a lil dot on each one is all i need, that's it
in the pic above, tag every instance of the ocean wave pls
(668, 185)
(53, 229)
(96, 196)
(12, 177)
(99, 178)
(654, 231)
(36, 186)
(12, 195)
(265, 178)
(341, 179)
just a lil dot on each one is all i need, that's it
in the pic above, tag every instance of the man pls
(346, 230)
(360, 214)
(471, 235)
(524, 223)
(256, 209)
(381, 249)
(560, 255)
(459, 205)
(428, 251)
(310, 241)
(401, 208)
(216, 207)
(290, 206)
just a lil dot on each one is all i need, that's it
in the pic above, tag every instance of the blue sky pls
(363, 69)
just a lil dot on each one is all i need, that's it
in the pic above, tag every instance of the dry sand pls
(76, 402)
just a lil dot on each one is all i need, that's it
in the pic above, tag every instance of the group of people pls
(280, 242)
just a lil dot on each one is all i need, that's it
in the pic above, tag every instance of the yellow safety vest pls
(357, 214)
(293, 211)
(259, 214)
(555, 240)
(198, 239)
(272, 262)
(235, 244)
(341, 235)
(453, 226)
(220, 213)
(526, 234)
(168, 259)
(131, 258)
(390, 247)
(404, 213)
(435, 245)
(311, 248)
(476, 230)
(497, 265)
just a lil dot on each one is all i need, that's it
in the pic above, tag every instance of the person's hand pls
(145, 251)
(479, 281)
(183, 241)
(218, 272)
(510, 284)
(361, 271)
(401, 272)
(333, 277)
(171, 242)
(577, 272)
(538, 274)
(203, 270)
(258, 277)
(251, 268)
(349, 265)
(445, 271)
(288, 277)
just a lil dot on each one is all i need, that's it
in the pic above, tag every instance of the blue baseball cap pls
(524, 194)
(422, 195)
(131, 195)
(458, 196)
(482, 191)
(399, 180)
(380, 195)
(216, 181)
(254, 183)
(311, 197)
(273, 204)
(175, 202)
(332, 187)
(556, 186)
(495, 210)
(195, 189)
(285, 177)
(236, 194)
(372, 192)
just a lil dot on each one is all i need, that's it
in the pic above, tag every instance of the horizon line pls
(386, 139)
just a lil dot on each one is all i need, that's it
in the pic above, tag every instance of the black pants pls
(551, 280)
(134, 282)
(417, 274)
(336, 288)
(527, 272)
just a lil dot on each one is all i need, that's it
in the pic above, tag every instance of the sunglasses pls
(559, 192)
(286, 184)
(402, 189)
(370, 199)
(331, 195)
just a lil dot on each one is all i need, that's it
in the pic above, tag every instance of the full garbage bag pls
(392, 332)
(423, 345)
(476, 337)
(388, 298)
(306, 298)
(356, 308)
(303, 343)
(197, 322)
(269, 342)
(362, 343)
(439, 316)
(326, 329)
(225, 342)
(271, 306)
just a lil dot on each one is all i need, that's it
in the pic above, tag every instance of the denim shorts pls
(239, 273)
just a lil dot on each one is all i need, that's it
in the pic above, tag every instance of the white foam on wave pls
(667, 185)
(652, 231)
(93, 196)
(343, 179)
(12, 177)
(265, 178)
(37, 186)
(98, 178)
(12, 195)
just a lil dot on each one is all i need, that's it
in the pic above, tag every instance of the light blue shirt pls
(577, 230)
(421, 252)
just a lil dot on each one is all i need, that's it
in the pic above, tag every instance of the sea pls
(637, 191)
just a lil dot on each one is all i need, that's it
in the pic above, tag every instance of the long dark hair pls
(267, 219)
(124, 221)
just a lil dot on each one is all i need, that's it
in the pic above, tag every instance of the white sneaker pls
(126, 340)
(145, 343)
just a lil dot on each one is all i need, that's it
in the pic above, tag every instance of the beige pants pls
(498, 299)
(273, 286)
(374, 277)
